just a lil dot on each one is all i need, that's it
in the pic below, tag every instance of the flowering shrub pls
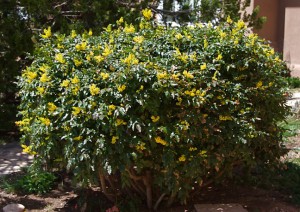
(154, 111)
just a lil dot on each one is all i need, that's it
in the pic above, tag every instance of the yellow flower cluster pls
(41, 90)
(77, 62)
(130, 60)
(185, 124)
(259, 84)
(60, 58)
(47, 33)
(182, 158)
(203, 67)
(99, 58)
(120, 122)
(44, 78)
(104, 75)
(188, 75)
(191, 149)
(178, 36)
(24, 122)
(138, 39)
(78, 138)
(45, 121)
(120, 21)
(111, 108)
(81, 46)
(65, 83)
(73, 34)
(51, 107)
(107, 51)
(114, 139)
(75, 80)
(159, 140)
(94, 90)
(129, 29)
(225, 118)
(30, 76)
(155, 118)
(147, 13)
(162, 75)
(28, 150)
(121, 88)
(76, 110)
(141, 146)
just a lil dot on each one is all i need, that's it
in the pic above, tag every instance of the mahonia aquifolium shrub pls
(157, 109)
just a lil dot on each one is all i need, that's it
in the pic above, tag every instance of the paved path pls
(12, 159)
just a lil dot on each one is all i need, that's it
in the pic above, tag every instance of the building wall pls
(282, 29)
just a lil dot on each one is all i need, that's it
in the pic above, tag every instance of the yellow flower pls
(120, 122)
(90, 32)
(60, 58)
(225, 118)
(121, 88)
(222, 34)
(147, 13)
(76, 111)
(73, 34)
(205, 43)
(107, 51)
(77, 62)
(45, 121)
(28, 150)
(219, 57)
(259, 84)
(75, 90)
(44, 78)
(104, 75)
(31, 76)
(182, 158)
(191, 149)
(114, 139)
(130, 60)
(111, 108)
(162, 75)
(44, 68)
(78, 138)
(186, 125)
(99, 58)
(159, 140)
(155, 118)
(120, 21)
(175, 76)
(203, 67)
(240, 24)
(178, 36)
(41, 90)
(179, 99)
(47, 33)
(51, 107)
(141, 146)
(229, 20)
(138, 39)
(188, 75)
(94, 90)
(81, 46)
(24, 122)
(129, 29)
(65, 83)
(75, 80)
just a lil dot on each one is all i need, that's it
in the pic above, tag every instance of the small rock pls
(14, 208)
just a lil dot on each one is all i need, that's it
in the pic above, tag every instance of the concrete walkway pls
(12, 159)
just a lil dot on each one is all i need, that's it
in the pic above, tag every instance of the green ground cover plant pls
(154, 112)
